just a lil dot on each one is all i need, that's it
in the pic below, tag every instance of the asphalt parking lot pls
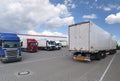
(59, 66)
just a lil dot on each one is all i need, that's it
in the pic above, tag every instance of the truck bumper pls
(11, 59)
(32, 50)
(82, 59)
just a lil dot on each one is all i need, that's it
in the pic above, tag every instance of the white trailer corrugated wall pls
(99, 38)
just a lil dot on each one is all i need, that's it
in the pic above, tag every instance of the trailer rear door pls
(79, 37)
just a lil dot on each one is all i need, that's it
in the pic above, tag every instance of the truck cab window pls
(11, 44)
(32, 44)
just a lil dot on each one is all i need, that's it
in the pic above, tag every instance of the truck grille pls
(12, 53)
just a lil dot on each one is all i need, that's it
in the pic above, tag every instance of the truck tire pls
(3, 61)
(19, 59)
(59, 48)
(48, 48)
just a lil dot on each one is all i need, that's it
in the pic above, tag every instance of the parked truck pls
(58, 45)
(89, 41)
(62, 39)
(10, 47)
(29, 44)
(64, 43)
(46, 44)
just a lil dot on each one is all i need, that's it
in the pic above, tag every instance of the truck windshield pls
(51, 42)
(11, 44)
(33, 44)
(59, 44)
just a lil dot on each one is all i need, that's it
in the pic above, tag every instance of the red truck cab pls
(32, 45)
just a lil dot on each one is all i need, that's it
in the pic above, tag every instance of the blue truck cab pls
(10, 47)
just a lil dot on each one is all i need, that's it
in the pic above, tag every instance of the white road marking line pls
(93, 68)
(107, 68)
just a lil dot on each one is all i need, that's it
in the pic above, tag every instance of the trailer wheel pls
(103, 54)
(98, 56)
(76, 53)
(111, 52)
(115, 51)
(92, 57)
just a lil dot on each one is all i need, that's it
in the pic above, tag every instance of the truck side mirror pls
(37, 43)
(21, 43)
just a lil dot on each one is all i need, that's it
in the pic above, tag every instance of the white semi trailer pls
(89, 41)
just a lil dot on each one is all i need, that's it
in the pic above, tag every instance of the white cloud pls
(73, 6)
(57, 22)
(91, 16)
(69, 3)
(118, 8)
(96, 0)
(24, 15)
(46, 32)
(107, 8)
(15, 7)
(113, 18)
(63, 10)
(84, 2)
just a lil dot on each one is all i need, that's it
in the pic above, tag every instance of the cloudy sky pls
(52, 17)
